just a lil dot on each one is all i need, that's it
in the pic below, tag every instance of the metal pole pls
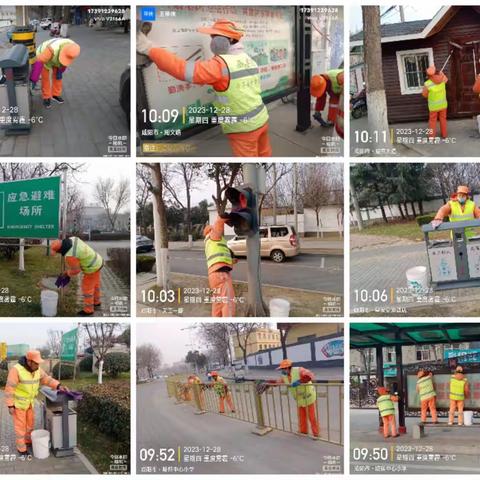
(401, 390)
(274, 213)
(21, 256)
(255, 304)
(75, 359)
(295, 194)
(64, 227)
(379, 365)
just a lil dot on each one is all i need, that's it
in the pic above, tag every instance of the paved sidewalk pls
(91, 112)
(9, 464)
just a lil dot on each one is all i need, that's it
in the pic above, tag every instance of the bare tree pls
(101, 338)
(149, 359)
(112, 197)
(54, 343)
(217, 337)
(242, 332)
(224, 175)
(75, 207)
(284, 328)
(143, 195)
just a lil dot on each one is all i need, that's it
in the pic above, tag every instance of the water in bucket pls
(49, 301)
(41, 444)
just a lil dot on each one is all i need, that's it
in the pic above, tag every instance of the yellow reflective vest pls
(217, 251)
(437, 96)
(457, 388)
(457, 215)
(332, 75)
(305, 394)
(27, 389)
(385, 405)
(90, 260)
(241, 103)
(425, 388)
(56, 45)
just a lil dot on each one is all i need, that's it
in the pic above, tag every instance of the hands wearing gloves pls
(144, 45)
(436, 223)
(296, 383)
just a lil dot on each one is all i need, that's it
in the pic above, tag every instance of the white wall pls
(300, 353)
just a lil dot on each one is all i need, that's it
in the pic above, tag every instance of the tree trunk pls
(356, 206)
(399, 205)
(376, 98)
(420, 206)
(405, 206)
(413, 209)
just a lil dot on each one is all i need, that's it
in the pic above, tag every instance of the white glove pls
(143, 44)
(435, 223)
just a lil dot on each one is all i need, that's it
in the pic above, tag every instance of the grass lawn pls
(408, 230)
(95, 445)
(24, 285)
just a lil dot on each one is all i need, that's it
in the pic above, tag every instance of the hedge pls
(145, 263)
(116, 363)
(86, 364)
(424, 219)
(66, 371)
(107, 406)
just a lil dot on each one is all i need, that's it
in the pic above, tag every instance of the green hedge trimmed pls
(66, 371)
(86, 364)
(3, 378)
(107, 407)
(145, 263)
(116, 363)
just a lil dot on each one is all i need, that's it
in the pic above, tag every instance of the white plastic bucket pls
(41, 444)
(279, 307)
(468, 417)
(49, 301)
(417, 279)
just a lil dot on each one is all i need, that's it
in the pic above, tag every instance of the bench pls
(418, 430)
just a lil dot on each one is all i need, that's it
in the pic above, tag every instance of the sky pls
(421, 11)
(32, 333)
(174, 339)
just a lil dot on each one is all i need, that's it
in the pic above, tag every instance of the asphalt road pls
(162, 424)
(308, 271)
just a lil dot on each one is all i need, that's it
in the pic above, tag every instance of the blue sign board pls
(471, 355)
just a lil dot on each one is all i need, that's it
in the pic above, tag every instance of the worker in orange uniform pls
(476, 86)
(426, 390)
(300, 384)
(219, 263)
(80, 257)
(331, 83)
(221, 388)
(234, 76)
(53, 57)
(192, 381)
(459, 210)
(21, 390)
(435, 91)
(386, 407)
(459, 390)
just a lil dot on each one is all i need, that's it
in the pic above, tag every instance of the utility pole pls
(402, 13)
(64, 224)
(274, 213)
(295, 195)
(356, 206)
(254, 175)
(376, 98)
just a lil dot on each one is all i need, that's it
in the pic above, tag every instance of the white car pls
(45, 23)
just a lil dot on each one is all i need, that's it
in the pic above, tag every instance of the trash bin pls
(61, 421)
(15, 98)
(25, 36)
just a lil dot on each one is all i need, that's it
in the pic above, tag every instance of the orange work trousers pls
(221, 403)
(429, 404)
(224, 304)
(389, 423)
(23, 421)
(251, 144)
(53, 89)
(456, 405)
(91, 291)
(441, 116)
(303, 413)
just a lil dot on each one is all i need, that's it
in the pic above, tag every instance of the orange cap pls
(431, 70)
(69, 53)
(55, 246)
(207, 230)
(34, 356)
(463, 189)
(382, 390)
(285, 364)
(318, 85)
(225, 28)
(214, 374)
(419, 373)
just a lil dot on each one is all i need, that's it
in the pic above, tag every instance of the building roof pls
(371, 335)
(397, 29)
(418, 29)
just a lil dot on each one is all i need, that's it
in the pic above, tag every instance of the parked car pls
(276, 241)
(144, 244)
(45, 23)
(34, 23)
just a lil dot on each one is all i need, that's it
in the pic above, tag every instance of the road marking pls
(322, 262)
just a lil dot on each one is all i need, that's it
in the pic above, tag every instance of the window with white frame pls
(412, 66)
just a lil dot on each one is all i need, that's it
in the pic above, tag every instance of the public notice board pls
(269, 39)
(30, 208)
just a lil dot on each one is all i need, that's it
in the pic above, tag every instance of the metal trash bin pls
(453, 262)
(25, 36)
(15, 97)
(61, 421)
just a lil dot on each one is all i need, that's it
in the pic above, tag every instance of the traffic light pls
(243, 216)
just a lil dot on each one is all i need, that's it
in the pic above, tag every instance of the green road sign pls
(30, 208)
(69, 346)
